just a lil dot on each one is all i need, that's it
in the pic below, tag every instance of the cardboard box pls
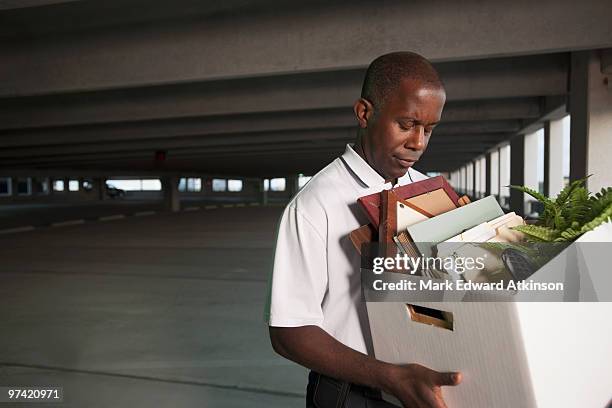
(483, 342)
(511, 354)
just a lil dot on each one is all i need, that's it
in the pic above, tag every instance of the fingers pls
(450, 378)
(423, 386)
(439, 398)
(431, 399)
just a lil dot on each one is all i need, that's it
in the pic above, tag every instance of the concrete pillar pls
(504, 174)
(591, 117)
(578, 107)
(100, 187)
(547, 158)
(494, 178)
(599, 163)
(294, 181)
(477, 186)
(14, 190)
(554, 171)
(475, 179)
(455, 179)
(483, 176)
(530, 172)
(171, 194)
(469, 179)
(47, 180)
(488, 174)
(264, 193)
(517, 173)
(36, 187)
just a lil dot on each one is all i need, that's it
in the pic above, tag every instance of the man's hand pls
(418, 386)
(414, 385)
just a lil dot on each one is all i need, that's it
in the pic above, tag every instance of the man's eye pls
(406, 125)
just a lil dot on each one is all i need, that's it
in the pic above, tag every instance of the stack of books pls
(416, 218)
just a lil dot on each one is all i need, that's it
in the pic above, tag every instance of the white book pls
(406, 216)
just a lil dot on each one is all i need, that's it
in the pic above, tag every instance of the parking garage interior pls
(147, 150)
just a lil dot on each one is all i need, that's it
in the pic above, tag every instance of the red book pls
(433, 195)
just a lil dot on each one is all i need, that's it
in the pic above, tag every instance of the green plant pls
(572, 213)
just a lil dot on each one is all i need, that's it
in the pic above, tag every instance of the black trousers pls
(326, 392)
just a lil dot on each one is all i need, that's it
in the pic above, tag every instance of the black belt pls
(327, 392)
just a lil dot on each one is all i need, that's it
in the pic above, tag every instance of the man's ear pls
(363, 112)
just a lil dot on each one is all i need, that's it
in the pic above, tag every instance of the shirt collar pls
(366, 173)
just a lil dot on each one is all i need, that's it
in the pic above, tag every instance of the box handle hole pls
(432, 317)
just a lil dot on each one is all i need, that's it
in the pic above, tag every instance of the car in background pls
(114, 192)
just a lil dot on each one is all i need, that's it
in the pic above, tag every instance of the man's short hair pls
(386, 72)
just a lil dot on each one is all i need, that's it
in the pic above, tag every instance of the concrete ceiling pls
(108, 95)
(19, 4)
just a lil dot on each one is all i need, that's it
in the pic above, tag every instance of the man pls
(317, 317)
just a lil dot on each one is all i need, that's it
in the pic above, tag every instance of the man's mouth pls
(405, 162)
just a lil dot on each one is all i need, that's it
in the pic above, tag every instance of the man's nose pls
(416, 140)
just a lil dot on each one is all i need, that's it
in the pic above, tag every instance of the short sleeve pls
(299, 277)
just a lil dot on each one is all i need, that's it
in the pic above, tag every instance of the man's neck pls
(359, 150)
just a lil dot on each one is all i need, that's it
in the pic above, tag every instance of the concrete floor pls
(39, 214)
(44, 214)
(163, 311)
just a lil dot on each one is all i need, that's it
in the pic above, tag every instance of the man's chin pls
(398, 173)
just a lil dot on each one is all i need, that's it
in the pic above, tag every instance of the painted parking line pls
(194, 208)
(228, 205)
(17, 229)
(112, 217)
(143, 213)
(67, 223)
(209, 207)
(240, 205)
(254, 204)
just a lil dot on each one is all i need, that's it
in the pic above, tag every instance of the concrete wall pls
(251, 192)
(600, 126)
(38, 196)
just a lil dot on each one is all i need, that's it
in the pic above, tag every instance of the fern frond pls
(603, 194)
(578, 206)
(599, 202)
(535, 194)
(550, 215)
(559, 221)
(567, 190)
(569, 234)
(538, 232)
(572, 213)
(605, 216)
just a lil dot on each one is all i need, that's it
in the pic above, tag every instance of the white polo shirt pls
(316, 277)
